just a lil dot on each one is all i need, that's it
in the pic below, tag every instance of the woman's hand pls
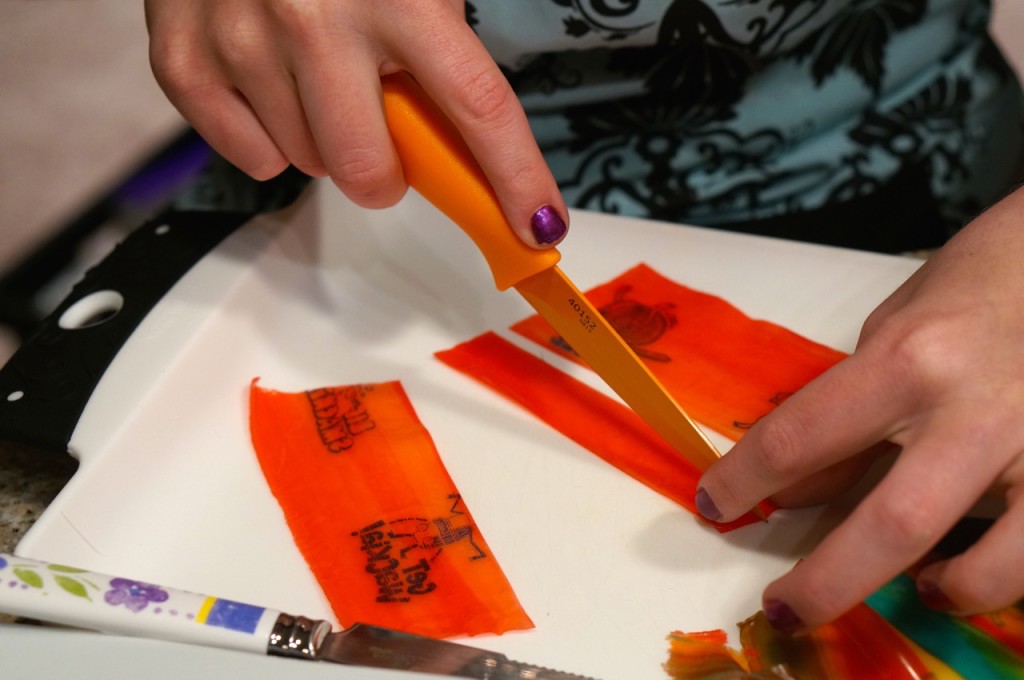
(269, 83)
(938, 372)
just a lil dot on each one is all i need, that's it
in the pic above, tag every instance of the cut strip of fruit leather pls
(856, 646)
(600, 424)
(704, 655)
(864, 645)
(1005, 625)
(860, 644)
(966, 649)
(375, 514)
(724, 368)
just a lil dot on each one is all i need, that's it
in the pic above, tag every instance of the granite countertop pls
(29, 481)
(78, 113)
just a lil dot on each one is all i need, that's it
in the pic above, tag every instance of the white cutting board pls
(326, 293)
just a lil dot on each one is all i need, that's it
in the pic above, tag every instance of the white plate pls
(325, 293)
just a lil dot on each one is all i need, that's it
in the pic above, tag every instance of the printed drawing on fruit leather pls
(378, 519)
(724, 368)
(639, 324)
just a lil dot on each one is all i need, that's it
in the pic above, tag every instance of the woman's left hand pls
(939, 372)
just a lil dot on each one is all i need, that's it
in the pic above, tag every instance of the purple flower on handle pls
(134, 595)
(3, 563)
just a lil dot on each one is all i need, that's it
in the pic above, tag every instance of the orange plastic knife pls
(439, 165)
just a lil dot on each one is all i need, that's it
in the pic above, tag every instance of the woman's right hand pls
(269, 83)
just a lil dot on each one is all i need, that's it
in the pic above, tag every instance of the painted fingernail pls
(705, 506)
(933, 597)
(780, 617)
(547, 225)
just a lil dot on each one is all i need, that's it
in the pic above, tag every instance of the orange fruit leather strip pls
(856, 646)
(600, 424)
(375, 514)
(862, 644)
(1005, 625)
(724, 368)
(695, 656)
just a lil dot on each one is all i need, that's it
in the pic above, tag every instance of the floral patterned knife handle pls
(84, 599)
(80, 598)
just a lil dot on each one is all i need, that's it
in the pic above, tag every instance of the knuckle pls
(778, 442)
(906, 519)
(238, 35)
(922, 348)
(487, 97)
(239, 43)
(364, 175)
(924, 355)
(173, 64)
(300, 19)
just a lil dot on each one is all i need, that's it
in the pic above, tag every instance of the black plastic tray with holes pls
(46, 385)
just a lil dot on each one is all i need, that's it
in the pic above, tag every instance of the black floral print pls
(668, 108)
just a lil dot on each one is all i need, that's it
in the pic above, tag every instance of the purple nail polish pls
(933, 597)
(705, 506)
(783, 619)
(547, 226)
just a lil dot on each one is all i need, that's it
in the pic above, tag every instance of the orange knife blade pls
(441, 168)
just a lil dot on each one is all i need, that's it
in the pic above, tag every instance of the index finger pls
(466, 83)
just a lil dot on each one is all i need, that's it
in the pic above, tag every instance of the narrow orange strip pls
(700, 656)
(860, 644)
(1005, 625)
(724, 368)
(376, 515)
(596, 422)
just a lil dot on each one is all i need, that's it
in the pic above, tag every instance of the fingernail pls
(547, 225)
(780, 617)
(933, 597)
(705, 506)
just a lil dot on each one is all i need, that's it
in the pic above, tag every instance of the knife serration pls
(366, 645)
(580, 324)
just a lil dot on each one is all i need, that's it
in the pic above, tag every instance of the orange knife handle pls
(439, 165)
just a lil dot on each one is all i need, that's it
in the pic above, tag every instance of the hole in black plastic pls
(162, 229)
(92, 310)
(16, 395)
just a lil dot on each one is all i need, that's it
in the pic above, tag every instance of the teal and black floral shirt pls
(740, 112)
(878, 124)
